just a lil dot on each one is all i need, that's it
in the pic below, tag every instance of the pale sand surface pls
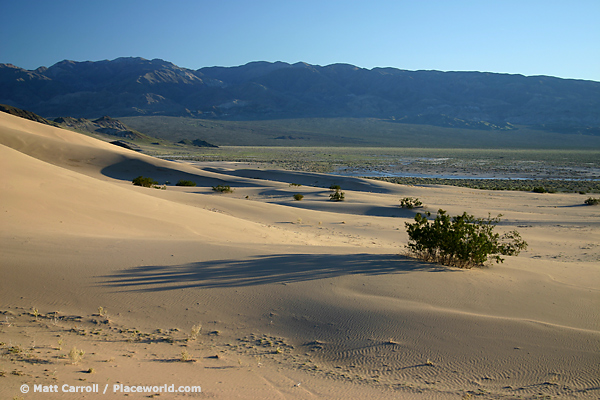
(297, 300)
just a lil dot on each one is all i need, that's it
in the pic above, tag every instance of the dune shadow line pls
(260, 270)
(130, 168)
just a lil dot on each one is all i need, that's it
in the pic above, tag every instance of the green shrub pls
(335, 187)
(462, 241)
(298, 196)
(410, 203)
(542, 189)
(592, 201)
(183, 182)
(337, 195)
(143, 181)
(222, 189)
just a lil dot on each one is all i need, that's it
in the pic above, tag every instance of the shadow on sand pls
(259, 270)
(128, 169)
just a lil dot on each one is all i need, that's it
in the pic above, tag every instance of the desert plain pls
(253, 295)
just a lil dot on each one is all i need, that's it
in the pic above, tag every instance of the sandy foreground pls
(251, 295)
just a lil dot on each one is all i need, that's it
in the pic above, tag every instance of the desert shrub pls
(144, 181)
(542, 189)
(76, 355)
(337, 195)
(335, 187)
(185, 356)
(410, 203)
(298, 196)
(592, 201)
(195, 331)
(183, 182)
(222, 189)
(462, 241)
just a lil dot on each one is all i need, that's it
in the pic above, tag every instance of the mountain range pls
(264, 90)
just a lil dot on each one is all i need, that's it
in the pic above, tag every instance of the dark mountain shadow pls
(260, 270)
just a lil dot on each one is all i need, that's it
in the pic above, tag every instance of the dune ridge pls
(309, 299)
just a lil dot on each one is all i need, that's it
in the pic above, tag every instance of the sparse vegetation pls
(195, 331)
(410, 203)
(298, 196)
(462, 241)
(592, 201)
(222, 189)
(580, 186)
(541, 189)
(144, 181)
(338, 195)
(17, 349)
(185, 356)
(76, 355)
(183, 182)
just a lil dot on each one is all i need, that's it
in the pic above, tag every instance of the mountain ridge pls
(133, 86)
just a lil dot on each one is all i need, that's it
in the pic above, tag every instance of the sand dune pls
(297, 300)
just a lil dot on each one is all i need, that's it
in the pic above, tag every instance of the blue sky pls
(529, 37)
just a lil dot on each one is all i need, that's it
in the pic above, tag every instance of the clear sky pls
(529, 37)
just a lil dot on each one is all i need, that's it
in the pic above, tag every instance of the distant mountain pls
(264, 90)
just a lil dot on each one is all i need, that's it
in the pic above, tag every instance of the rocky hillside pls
(263, 90)
(106, 125)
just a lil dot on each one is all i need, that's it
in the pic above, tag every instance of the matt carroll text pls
(116, 388)
(66, 388)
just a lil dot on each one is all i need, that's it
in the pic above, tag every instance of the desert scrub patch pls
(222, 189)
(76, 355)
(542, 189)
(461, 241)
(185, 356)
(410, 203)
(298, 196)
(183, 182)
(144, 181)
(592, 201)
(337, 195)
(195, 331)
(581, 186)
(17, 349)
